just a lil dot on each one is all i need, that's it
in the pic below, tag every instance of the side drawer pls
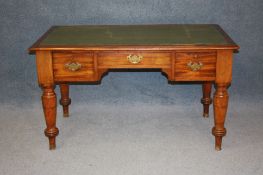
(134, 59)
(73, 66)
(195, 66)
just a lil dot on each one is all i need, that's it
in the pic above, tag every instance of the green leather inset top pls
(135, 35)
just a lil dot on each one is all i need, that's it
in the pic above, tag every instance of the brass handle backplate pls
(73, 66)
(134, 59)
(195, 66)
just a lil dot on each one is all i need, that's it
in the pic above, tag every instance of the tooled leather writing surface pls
(135, 35)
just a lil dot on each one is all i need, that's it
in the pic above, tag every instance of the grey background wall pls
(22, 22)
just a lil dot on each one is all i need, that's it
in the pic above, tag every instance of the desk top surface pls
(134, 35)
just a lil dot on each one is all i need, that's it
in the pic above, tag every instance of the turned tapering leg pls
(206, 100)
(65, 101)
(49, 102)
(220, 109)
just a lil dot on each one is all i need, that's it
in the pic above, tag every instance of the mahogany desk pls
(69, 54)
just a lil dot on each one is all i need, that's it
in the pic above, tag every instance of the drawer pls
(73, 66)
(195, 66)
(134, 59)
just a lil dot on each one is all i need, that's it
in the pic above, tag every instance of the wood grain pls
(224, 66)
(118, 59)
(206, 73)
(85, 73)
(44, 68)
(49, 100)
(206, 99)
(221, 97)
(65, 101)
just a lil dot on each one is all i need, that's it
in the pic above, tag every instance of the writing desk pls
(69, 54)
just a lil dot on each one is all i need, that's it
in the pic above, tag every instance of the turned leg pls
(206, 100)
(65, 100)
(220, 109)
(49, 102)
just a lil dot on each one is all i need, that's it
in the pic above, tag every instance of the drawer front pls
(134, 59)
(73, 66)
(195, 66)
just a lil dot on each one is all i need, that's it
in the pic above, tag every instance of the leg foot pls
(49, 102)
(218, 147)
(51, 134)
(220, 109)
(219, 134)
(206, 100)
(65, 101)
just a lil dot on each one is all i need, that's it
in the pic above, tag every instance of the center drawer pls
(134, 59)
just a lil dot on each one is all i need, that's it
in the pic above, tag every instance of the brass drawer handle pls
(195, 66)
(134, 59)
(73, 66)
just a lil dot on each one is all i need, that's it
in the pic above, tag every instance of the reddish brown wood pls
(118, 59)
(220, 109)
(87, 71)
(65, 101)
(206, 100)
(49, 102)
(96, 70)
(223, 79)
(133, 48)
(44, 68)
(207, 71)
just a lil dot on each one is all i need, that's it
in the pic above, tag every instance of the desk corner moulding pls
(184, 52)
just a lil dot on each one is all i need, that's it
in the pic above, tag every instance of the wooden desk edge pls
(235, 48)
